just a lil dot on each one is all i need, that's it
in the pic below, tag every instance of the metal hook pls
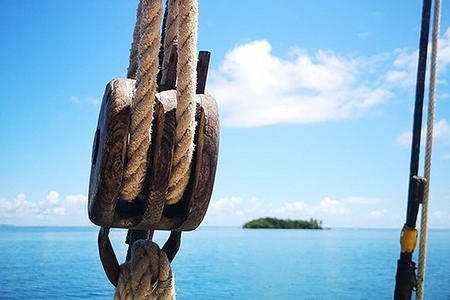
(172, 245)
(108, 257)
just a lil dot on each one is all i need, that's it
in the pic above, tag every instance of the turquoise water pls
(223, 263)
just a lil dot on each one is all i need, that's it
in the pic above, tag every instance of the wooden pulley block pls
(149, 210)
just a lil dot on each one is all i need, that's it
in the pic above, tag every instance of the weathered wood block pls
(149, 211)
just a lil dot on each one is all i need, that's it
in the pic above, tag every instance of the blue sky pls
(315, 98)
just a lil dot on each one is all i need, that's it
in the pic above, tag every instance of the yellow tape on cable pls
(408, 239)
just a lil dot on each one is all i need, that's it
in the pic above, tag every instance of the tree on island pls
(274, 223)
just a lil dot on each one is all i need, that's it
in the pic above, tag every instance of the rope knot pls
(148, 274)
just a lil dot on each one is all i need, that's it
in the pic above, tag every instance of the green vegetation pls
(274, 223)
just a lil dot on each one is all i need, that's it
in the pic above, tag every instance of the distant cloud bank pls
(71, 210)
(352, 211)
(347, 212)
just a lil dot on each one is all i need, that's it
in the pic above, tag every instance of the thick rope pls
(428, 152)
(171, 35)
(133, 65)
(147, 275)
(186, 88)
(142, 107)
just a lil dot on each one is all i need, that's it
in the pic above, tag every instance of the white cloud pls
(74, 99)
(331, 206)
(403, 71)
(89, 100)
(256, 88)
(444, 50)
(404, 139)
(225, 204)
(394, 76)
(294, 208)
(72, 210)
(327, 206)
(378, 213)
(404, 67)
(363, 35)
(92, 100)
(441, 132)
(441, 214)
(350, 211)
(362, 200)
(18, 207)
(233, 210)
(78, 200)
(53, 197)
(441, 218)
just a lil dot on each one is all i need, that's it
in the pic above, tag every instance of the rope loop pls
(148, 21)
(148, 274)
(180, 28)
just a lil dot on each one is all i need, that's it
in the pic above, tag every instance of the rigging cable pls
(405, 278)
(428, 151)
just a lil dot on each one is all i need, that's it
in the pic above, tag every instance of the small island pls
(274, 223)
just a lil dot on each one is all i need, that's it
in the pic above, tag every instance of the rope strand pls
(142, 107)
(133, 65)
(181, 27)
(186, 90)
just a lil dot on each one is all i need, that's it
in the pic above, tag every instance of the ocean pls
(223, 263)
